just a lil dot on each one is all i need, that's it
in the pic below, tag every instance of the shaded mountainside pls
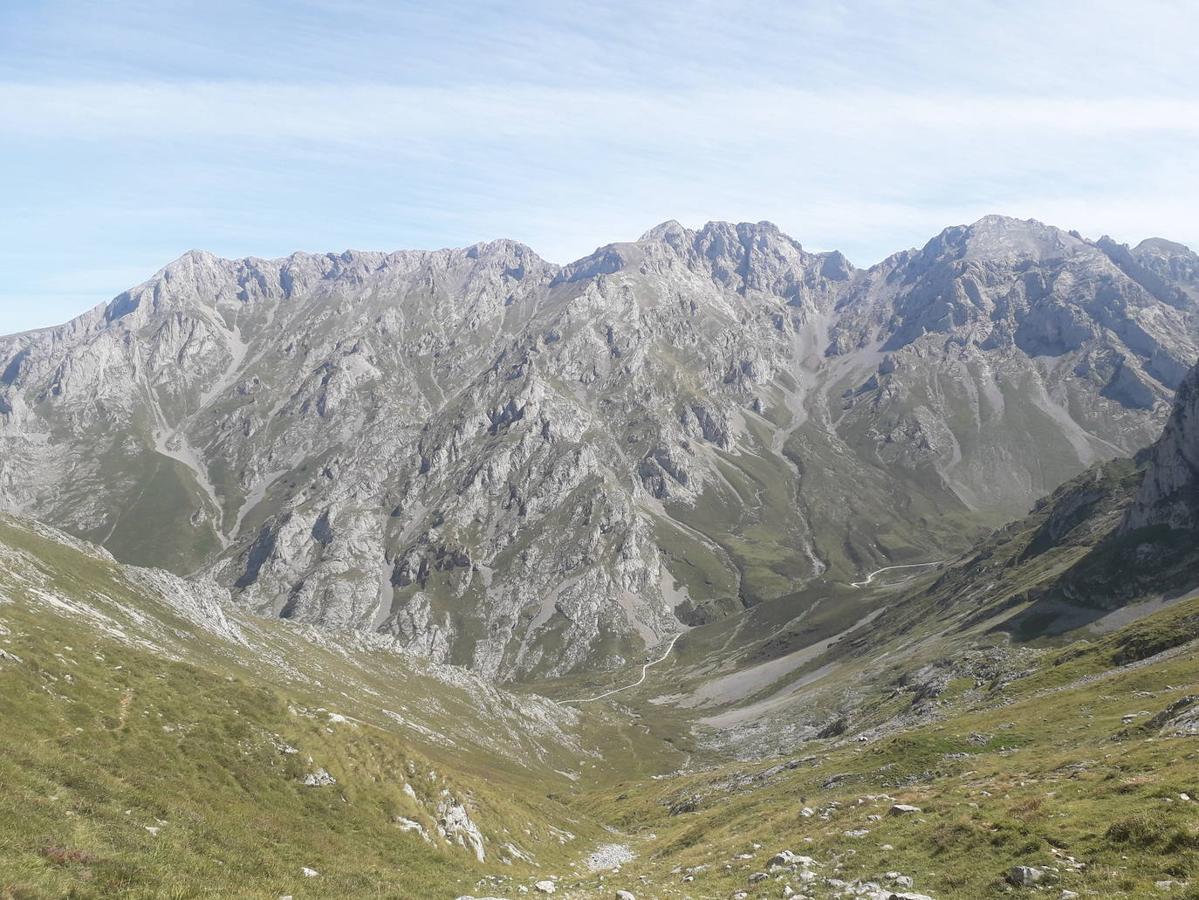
(1121, 532)
(531, 469)
(1169, 495)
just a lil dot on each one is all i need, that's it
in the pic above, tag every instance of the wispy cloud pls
(131, 133)
(363, 114)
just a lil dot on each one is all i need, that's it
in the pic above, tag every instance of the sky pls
(134, 130)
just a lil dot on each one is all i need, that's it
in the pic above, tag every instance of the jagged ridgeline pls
(532, 469)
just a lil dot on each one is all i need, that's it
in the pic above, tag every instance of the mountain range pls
(533, 470)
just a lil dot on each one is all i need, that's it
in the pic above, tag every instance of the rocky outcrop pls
(1169, 494)
(530, 469)
(454, 825)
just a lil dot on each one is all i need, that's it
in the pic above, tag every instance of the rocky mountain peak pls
(1162, 248)
(1167, 270)
(740, 257)
(199, 279)
(1005, 239)
(668, 231)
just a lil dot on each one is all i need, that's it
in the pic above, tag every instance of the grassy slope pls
(106, 737)
(1036, 771)
(87, 764)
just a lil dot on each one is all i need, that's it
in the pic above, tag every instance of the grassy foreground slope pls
(152, 745)
(1086, 768)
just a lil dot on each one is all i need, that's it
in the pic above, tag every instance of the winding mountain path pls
(644, 669)
(870, 577)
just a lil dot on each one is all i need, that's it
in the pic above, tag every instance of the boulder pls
(1025, 876)
(903, 881)
(787, 858)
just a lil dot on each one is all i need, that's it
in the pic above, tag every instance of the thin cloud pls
(367, 113)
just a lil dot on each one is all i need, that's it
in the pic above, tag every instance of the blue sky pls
(132, 131)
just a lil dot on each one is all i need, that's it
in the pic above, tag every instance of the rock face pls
(529, 469)
(1169, 494)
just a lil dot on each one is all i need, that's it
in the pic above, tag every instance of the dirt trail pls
(870, 577)
(644, 669)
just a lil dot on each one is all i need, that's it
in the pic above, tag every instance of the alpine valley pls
(702, 567)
